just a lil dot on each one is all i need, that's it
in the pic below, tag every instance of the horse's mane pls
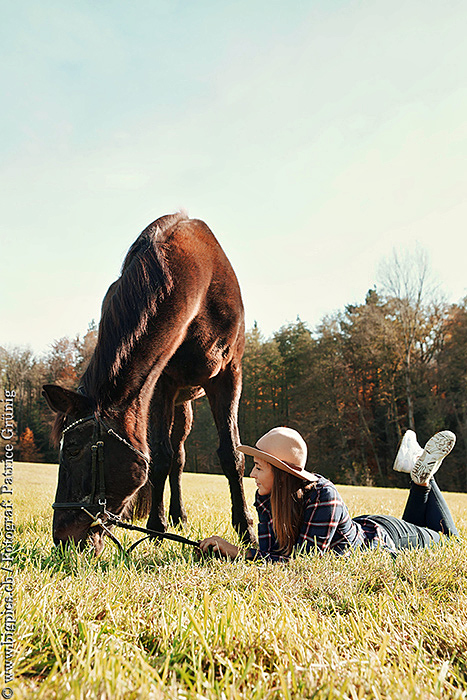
(58, 427)
(145, 280)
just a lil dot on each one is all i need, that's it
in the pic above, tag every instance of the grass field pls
(164, 625)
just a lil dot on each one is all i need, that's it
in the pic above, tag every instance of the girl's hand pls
(219, 545)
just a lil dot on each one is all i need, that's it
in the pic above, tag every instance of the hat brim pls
(271, 459)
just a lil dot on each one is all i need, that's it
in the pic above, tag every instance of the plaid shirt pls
(326, 525)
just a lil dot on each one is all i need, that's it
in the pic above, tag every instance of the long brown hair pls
(287, 508)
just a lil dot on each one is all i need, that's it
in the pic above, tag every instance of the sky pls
(314, 138)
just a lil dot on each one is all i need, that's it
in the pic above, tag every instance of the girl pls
(302, 511)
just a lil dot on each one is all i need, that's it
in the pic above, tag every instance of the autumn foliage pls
(351, 386)
(27, 450)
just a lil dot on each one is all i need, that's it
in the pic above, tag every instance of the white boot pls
(430, 460)
(408, 453)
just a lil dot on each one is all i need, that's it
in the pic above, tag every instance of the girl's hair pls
(287, 508)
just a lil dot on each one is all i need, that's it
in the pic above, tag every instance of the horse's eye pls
(73, 451)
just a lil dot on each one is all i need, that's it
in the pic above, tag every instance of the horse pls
(171, 330)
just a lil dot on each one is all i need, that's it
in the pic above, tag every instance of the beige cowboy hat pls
(285, 449)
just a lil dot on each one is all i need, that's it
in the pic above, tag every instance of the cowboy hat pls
(285, 449)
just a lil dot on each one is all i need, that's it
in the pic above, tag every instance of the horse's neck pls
(130, 418)
(126, 402)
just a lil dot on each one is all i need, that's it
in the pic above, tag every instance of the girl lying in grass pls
(302, 511)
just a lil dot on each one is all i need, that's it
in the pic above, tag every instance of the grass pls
(164, 625)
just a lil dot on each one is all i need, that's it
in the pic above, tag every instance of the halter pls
(97, 500)
(96, 507)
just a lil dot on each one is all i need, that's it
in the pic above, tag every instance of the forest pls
(351, 386)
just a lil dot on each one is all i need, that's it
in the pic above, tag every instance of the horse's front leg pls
(162, 416)
(223, 392)
(183, 420)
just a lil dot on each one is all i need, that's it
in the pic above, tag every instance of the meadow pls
(163, 624)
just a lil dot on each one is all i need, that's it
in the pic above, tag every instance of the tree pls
(260, 407)
(202, 442)
(368, 348)
(84, 348)
(295, 346)
(23, 373)
(62, 361)
(351, 387)
(27, 450)
(451, 386)
(407, 283)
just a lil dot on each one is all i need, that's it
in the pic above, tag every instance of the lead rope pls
(94, 472)
(116, 521)
(100, 461)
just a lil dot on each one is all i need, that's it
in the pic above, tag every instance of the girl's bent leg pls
(426, 507)
(415, 508)
(438, 516)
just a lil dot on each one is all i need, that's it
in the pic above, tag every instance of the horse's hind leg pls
(223, 392)
(183, 420)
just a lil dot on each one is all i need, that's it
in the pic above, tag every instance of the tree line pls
(351, 386)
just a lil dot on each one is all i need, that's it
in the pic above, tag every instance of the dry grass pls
(163, 625)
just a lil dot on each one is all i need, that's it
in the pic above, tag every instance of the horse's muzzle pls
(74, 528)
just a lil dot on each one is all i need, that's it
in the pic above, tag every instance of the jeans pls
(426, 515)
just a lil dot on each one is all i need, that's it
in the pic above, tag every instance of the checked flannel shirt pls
(326, 525)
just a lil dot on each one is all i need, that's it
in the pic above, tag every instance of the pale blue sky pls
(312, 137)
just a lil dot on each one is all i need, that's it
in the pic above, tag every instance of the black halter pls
(96, 506)
(97, 499)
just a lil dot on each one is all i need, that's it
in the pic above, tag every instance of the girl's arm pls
(219, 545)
(226, 549)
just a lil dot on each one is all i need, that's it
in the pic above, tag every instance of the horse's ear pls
(66, 401)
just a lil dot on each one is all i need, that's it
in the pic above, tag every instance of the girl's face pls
(263, 474)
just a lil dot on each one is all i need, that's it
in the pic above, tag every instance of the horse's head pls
(99, 470)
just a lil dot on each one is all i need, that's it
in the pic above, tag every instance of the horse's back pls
(201, 272)
(190, 243)
(199, 267)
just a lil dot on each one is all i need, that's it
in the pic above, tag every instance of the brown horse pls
(172, 329)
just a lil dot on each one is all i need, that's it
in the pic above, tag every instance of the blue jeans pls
(426, 515)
